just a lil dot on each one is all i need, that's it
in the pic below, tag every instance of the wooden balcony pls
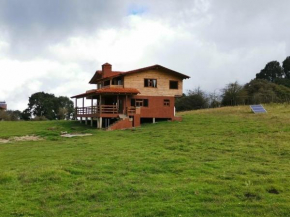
(91, 110)
(102, 111)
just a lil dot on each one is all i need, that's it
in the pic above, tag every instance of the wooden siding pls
(136, 80)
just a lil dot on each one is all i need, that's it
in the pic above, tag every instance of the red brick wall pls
(137, 120)
(156, 108)
(121, 124)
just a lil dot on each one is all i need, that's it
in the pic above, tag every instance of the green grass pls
(217, 162)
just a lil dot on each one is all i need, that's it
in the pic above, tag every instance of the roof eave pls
(154, 67)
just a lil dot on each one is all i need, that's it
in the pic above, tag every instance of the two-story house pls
(122, 99)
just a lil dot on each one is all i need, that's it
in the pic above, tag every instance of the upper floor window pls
(99, 85)
(173, 84)
(150, 83)
(106, 83)
(117, 81)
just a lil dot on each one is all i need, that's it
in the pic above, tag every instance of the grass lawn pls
(217, 162)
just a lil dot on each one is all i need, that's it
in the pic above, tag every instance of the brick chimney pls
(106, 70)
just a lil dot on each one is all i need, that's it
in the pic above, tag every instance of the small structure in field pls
(258, 109)
(3, 106)
(122, 99)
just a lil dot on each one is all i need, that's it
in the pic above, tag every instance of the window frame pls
(150, 79)
(140, 102)
(166, 102)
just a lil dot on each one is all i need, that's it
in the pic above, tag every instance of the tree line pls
(42, 106)
(272, 84)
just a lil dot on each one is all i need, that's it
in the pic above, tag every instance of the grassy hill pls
(217, 162)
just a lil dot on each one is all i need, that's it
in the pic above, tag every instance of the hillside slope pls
(217, 162)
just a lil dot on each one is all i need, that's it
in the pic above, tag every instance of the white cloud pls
(20, 79)
(120, 46)
(215, 42)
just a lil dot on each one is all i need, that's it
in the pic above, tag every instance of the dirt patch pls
(4, 140)
(21, 138)
(75, 135)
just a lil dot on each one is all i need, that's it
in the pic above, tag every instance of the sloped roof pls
(108, 91)
(158, 67)
(97, 76)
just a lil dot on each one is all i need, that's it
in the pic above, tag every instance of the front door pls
(120, 105)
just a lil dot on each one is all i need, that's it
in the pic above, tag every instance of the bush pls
(39, 118)
(4, 116)
(262, 91)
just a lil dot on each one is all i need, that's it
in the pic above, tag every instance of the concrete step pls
(122, 116)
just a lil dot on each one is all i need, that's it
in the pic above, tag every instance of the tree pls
(286, 67)
(14, 115)
(271, 72)
(10, 115)
(262, 91)
(49, 106)
(214, 99)
(26, 115)
(65, 108)
(195, 99)
(283, 81)
(4, 116)
(43, 104)
(233, 94)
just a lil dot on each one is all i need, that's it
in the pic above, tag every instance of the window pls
(145, 104)
(173, 84)
(166, 102)
(150, 83)
(117, 81)
(106, 83)
(139, 102)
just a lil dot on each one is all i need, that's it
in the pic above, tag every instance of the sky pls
(56, 46)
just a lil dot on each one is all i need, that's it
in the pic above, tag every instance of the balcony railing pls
(112, 86)
(105, 109)
(131, 110)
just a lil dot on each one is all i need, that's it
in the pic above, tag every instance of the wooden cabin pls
(123, 99)
(3, 106)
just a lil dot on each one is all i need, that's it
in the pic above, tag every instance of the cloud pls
(55, 46)
(31, 25)
(20, 79)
